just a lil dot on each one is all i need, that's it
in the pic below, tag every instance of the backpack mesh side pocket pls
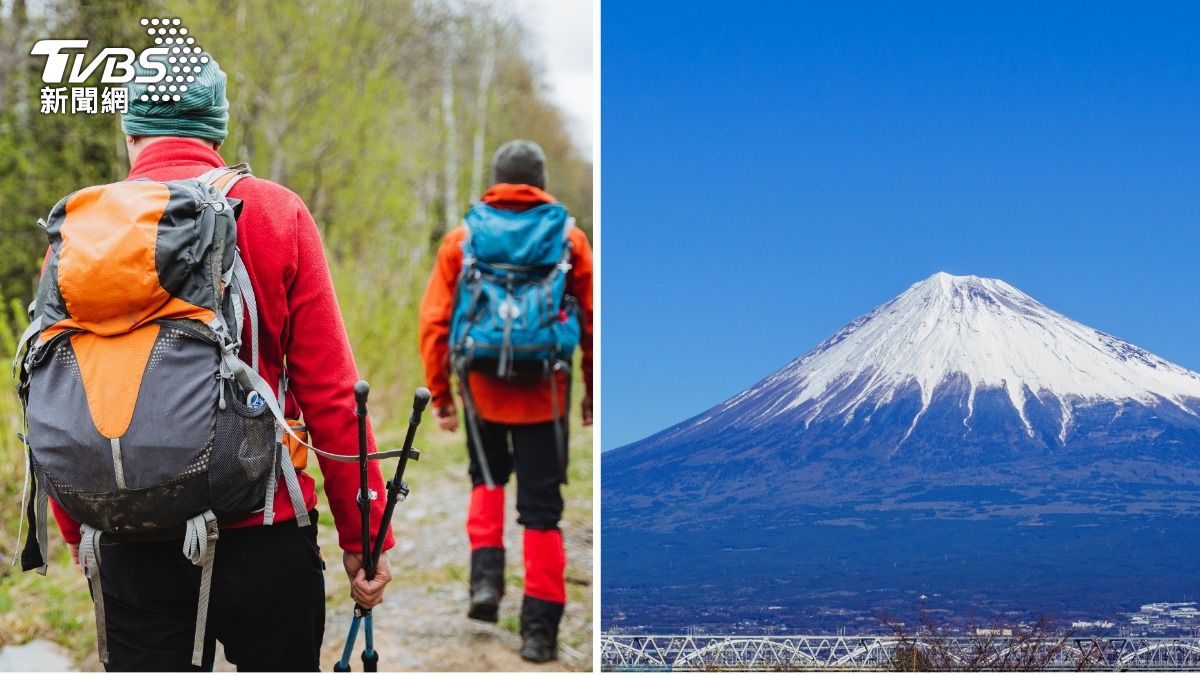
(242, 453)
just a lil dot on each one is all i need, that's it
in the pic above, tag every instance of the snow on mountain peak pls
(984, 330)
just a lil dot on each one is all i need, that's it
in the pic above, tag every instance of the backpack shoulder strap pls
(564, 263)
(467, 244)
(224, 178)
(244, 289)
(568, 227)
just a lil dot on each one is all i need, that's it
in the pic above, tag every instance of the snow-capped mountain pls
(980, 334)
(959, 379)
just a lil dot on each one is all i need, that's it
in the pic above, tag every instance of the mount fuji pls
(960, 431)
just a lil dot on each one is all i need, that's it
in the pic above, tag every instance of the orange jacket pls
(500, 400)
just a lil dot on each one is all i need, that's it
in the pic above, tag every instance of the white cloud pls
(561, 31)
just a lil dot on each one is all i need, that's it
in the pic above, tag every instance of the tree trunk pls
(481, 112)
(450, 195)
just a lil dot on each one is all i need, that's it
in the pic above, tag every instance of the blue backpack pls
(512, 315)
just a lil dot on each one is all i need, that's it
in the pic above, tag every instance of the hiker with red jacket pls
(267, 604)
(509, 299)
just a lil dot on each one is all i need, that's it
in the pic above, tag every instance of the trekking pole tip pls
(361, 389)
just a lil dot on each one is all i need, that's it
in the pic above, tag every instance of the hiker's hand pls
(74, 548)
(447, 417)
(586, 404)
(366, 593)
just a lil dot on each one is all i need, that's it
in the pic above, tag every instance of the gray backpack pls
(141, 420)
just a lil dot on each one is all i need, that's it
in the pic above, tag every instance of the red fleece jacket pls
(299, 320)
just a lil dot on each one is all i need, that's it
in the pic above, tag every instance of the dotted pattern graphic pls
(200, 464)
(184, 62)
(60, 487)
(166, 342)
(65, 355)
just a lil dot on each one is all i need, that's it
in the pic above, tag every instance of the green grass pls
(510, 623)
(56, 606)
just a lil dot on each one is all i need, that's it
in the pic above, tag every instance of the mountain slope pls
(959, 380)
(962, 440)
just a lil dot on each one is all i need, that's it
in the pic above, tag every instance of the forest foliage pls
(381, 114)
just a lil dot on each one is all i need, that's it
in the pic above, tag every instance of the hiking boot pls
(487, 584)
(537, 649)
(485, 604)
(539, 629)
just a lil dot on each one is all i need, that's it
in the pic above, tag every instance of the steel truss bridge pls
(880, 652)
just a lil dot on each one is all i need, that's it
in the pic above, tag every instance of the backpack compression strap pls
(89, 560)
(30, 334)
(200, 547)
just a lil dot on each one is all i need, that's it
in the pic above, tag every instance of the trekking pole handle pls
(361, 391)
(420, 402)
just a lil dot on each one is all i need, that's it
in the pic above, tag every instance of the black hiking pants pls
(534, 454)
(267, 606)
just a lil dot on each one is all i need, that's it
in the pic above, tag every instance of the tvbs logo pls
(117, 63)
(167, 68)
(173, 45)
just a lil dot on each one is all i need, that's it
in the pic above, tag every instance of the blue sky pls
(771, 171)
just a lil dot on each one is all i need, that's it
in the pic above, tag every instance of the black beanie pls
(520, 163)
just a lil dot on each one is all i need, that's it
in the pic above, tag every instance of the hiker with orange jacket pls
(267, 603)
(509, 298)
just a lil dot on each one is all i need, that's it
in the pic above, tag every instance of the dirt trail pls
(423, 625)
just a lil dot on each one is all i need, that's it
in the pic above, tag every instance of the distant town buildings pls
(1155, 619)
(1165, 619)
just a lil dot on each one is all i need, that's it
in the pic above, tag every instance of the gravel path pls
(423, 623)
(422, 626)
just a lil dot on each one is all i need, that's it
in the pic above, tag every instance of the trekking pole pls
(361, 391)
(397, 490)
